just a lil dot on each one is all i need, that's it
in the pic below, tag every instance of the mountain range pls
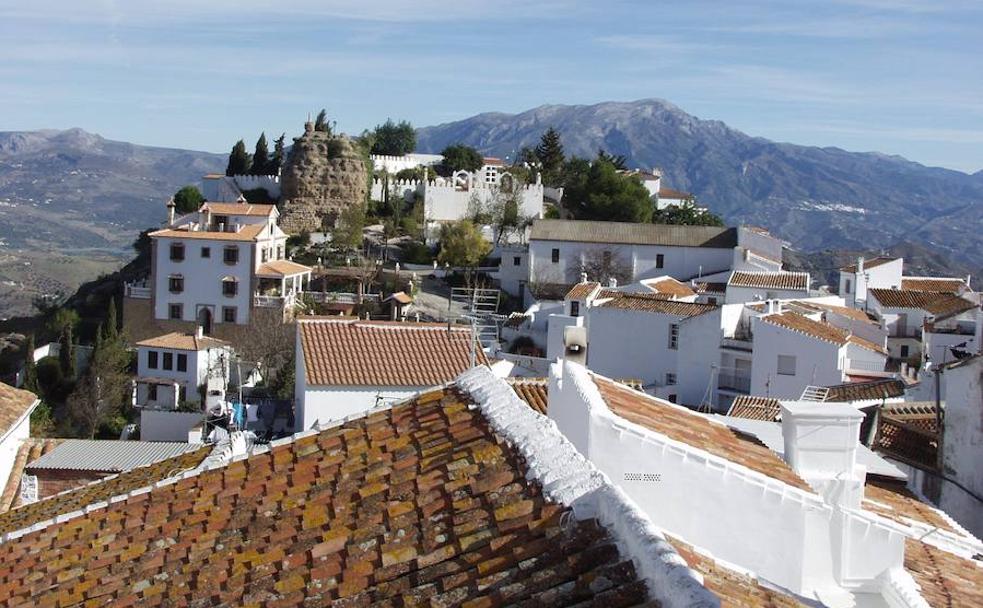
(72, 202)
(815, 198)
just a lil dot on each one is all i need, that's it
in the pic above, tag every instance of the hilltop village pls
(353, 374)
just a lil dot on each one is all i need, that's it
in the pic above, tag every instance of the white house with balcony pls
(175, 368)
(215, 265)
(881, 272)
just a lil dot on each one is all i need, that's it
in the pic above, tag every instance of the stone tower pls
(323, 176)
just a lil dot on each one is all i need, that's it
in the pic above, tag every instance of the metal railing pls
(138, 289)
(734, 381)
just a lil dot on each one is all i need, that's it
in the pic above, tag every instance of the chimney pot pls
(583, 277)
(612, 282)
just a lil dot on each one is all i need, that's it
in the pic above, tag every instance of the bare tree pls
(601, 265)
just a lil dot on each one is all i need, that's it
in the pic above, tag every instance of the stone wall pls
(323, 176)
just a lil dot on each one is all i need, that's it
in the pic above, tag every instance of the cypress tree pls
(550, 155)
(276, 161)
(30, 369)
(321, 122)
(261, 157)
(239, 160)
(111, 332)
(66, 353)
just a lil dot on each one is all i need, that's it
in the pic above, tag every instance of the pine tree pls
(111, 332)
(261, 157)
(239, 160)
(66, 353)
(276, 161)
(550, 155)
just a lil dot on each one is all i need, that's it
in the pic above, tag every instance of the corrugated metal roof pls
(109, 455)
(627, 233)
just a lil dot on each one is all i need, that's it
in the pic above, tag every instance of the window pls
(660, 260)
(670, 379)
(555, 255)
(182, 362)
(712, 301)
(606, 258)
(674, 336)
(279, 252)
(177, 252)
(151, 392)
(786, 365)
(517, 261)
(228, 314)
(206, 252)
(575, 309)
(176, 283)
(152, 359)
(230, 287)
(849, 286)
(904, 351)
(673, 398)
(168, 361)
(263, 255)
(231, 255)
(175, 312)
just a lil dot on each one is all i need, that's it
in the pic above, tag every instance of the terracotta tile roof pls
(14, 404)
(180, 341)
(29, 451)
(871, 263)
(629, 233)
(516, 319)
(281, 268)
(917, 413)
(891, 499)
(665, 192)
(533, 391)
(581, 291)
(239, 209)
(117, 485)
(862, 391)
(249, 232)
(906, 443)
(946, 579)
(819, 330)
(932, 284)
(930, 301)
(698, 431)
(844, 311)
(379, 353)
(656, 303)
(421, 504)
(710, 287)
(732, 587)
(400, 297)
(756, 408)
(770, 280)
(672, 287)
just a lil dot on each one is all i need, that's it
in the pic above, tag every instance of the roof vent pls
(575, 344)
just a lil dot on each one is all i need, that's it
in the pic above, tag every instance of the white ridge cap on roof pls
(568, 477)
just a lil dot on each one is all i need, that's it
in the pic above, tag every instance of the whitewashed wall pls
(202, 278)
(327, 403)
(738, 295)
(817, 362)
(11, 442)
(160, 425)
(962, 442)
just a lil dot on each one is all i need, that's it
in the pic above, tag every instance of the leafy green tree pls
(188, 199)
(549, 152)
(461, 245)
(601, 193)
(66, 353)
(276, 161)
(395, 139)
(460, 157)
(348, 230)
(261, 157)
(321, 122)
(686, 214)
(239, 160)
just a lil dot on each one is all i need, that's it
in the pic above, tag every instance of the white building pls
(880, 272)
(217, 187)
(218, 264)
(394, 164)
(807, 517)
(962, 442)
(905, 314)
(347, 366)
(16, 407)
(560, 250)
(175, 368)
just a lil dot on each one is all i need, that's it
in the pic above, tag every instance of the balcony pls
(137, 289)
(863, 366)
(735, 343)
(733, 380)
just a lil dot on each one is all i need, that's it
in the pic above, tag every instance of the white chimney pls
(774, 306)
(583, 277)
(821, 442)
(170, 212)
(860, 265)
(612, 282)
(200, 331)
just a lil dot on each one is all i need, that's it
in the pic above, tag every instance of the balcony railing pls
(138, 289)
(737, 344)
(739, 382)
(864, 366)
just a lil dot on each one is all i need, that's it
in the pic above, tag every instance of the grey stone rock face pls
(323, 176)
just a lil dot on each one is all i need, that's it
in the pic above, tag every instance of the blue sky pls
(896, 76)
